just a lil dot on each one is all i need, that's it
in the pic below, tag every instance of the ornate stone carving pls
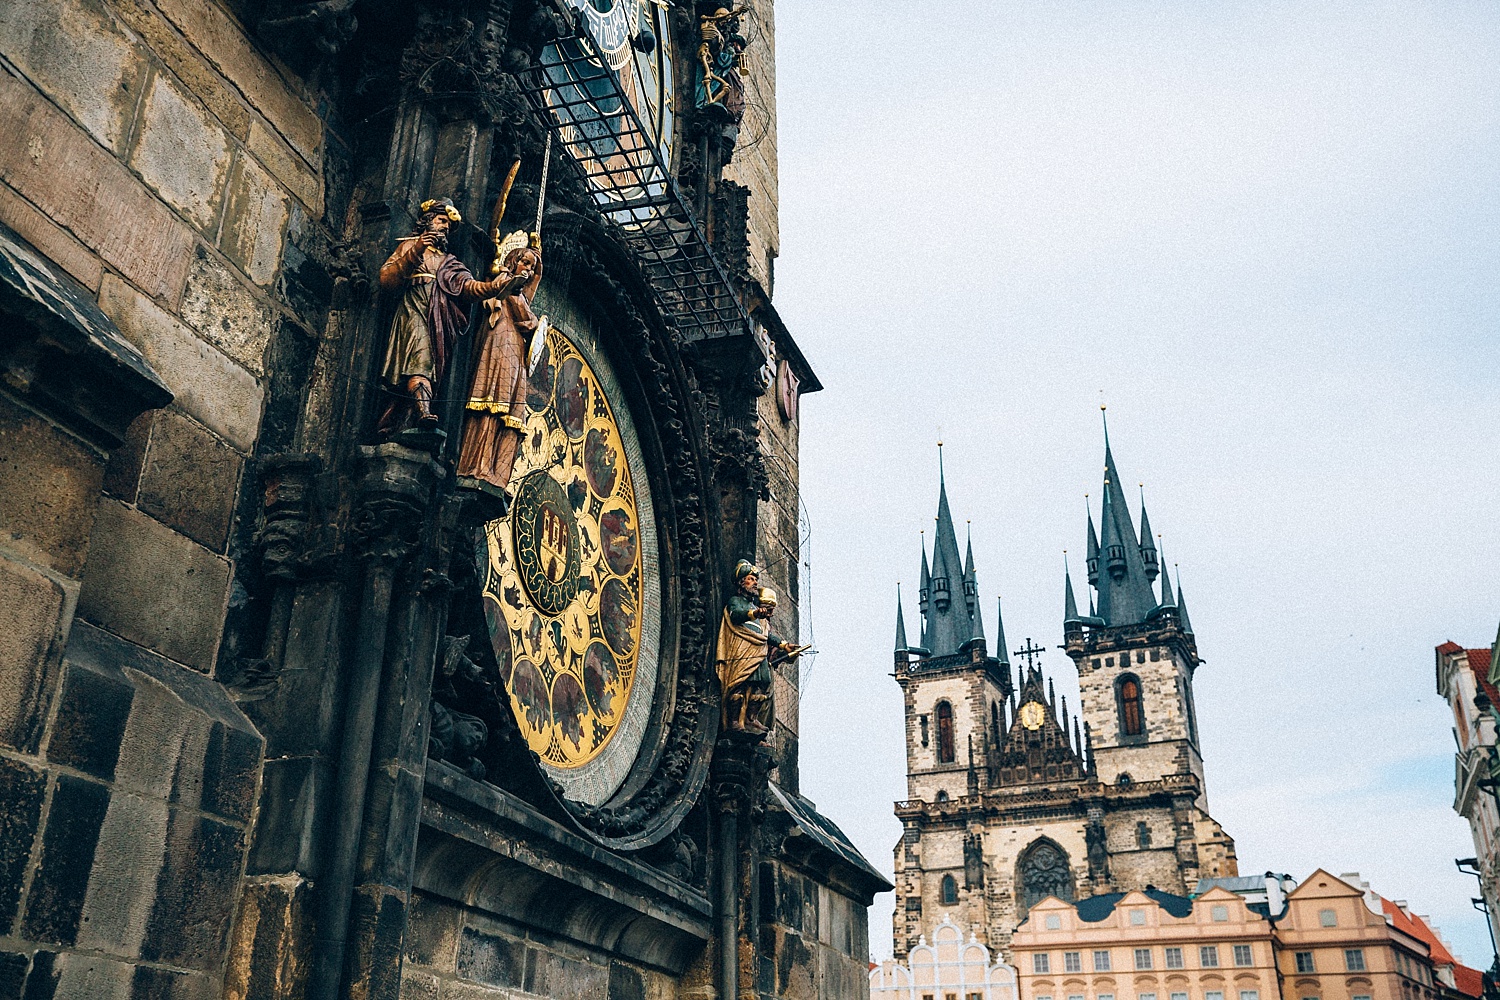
(457, 736)
(1045, 872)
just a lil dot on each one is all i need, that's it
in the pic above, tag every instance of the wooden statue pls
(495, 415)
(436, 290)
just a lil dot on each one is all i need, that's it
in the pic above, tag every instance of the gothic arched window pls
(949, 890)
(945, 732)
(1045, 871)
(1132, 721)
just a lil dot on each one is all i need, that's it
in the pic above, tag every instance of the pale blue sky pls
(1270, 233)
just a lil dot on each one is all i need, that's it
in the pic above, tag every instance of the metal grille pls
(580, 99)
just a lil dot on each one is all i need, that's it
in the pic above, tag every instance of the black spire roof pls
(1121, 564)
(948, 624)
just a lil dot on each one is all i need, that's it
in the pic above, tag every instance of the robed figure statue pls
(432, 313)
(495, 414)
(746, 651)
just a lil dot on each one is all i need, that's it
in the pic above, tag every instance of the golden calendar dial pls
(564, 595)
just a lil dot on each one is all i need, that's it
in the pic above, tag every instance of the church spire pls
(949, 619)
(900, 623)
(1125, 595)
(1093, 551)
(1167, 600)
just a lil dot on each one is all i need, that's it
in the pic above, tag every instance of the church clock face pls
(1032, 715)
(572, 593)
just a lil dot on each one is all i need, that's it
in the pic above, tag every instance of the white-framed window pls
(1137, 918)
(1105, 996)
(1177, 996)
(1354, 959)
(1142, 959)
(1305, 963)
(1213, 995)
(1041, 963)
(1076, 996)
(1249, 994)
(1054, 922)
(1360, 996)
(1174, 958)
(1219, 913)
(1328, 918)
(1045, 997)
(1101, 961)
(1145, 996)
(1208, 956)
(1243, 955)
(1072, 962)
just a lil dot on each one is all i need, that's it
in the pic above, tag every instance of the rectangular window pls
(1328, 918)
(1143, 959)
(1174, 958)
(1075, 996)
(1101, 961)
(1072, 962)
(1041, 963)
(1220, 914)
(1208, 956)
(1354, 959)
(1360, 996)
(1242, 955)
(1305, 962)
(1106, 996)
(1138, 918)
(1178, 996)
(1249, 994)
(1145, 996)
(1213, 995)
(1054, 922)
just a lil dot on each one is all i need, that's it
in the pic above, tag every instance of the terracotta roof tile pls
(1417, 928)
(1479, 662)
(1449, 647)
(1470, 981)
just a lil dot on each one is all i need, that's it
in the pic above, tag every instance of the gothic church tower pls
(1008, 799)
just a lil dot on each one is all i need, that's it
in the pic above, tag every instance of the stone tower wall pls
(1167, 746)
(754, 164)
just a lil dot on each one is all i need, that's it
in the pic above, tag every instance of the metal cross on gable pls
(1031, 652)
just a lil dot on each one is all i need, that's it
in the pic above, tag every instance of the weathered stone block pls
(192, 69)
(92, 713)
(49, 487)
(227, 312)
(122, 474)
(55, 903)
(215, 34)
(31, 622)
(270, 955)
(555, 975)
(377, 921)
(155, 587)
(255, 214)
(488, 958)
(21, 791)
(190, 480)
(150, 983)
(206, 382)
(77, 54)
(195, 893)
(433, 933)
(181, 152)
(418, 985)
(625, 983)
(95, 197)
(289, 168)
(50, 239)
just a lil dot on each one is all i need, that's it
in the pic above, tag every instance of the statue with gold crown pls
(746, 651)
(436, 291)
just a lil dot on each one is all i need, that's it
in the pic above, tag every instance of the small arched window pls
(1131, 721)
(945, 732)
(949, 890)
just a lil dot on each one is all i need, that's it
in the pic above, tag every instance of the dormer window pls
(940, 592)
(1115, 559)
(971, 589)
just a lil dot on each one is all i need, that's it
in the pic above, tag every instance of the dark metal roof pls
(826, 834)
(1097, 908)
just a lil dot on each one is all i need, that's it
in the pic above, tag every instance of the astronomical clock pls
(573, 598)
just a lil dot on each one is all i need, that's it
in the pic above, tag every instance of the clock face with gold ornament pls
(1032, 715)
(571, 595)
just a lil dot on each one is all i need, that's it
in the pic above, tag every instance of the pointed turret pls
(924, 585)
(1000, 648)
(1148, 545)
(1182, 615)
(1071, 621)
(900, 623)
(1167, 600)
(1088, 749)
(971, 582)
(1093, 553)
(1077, 738)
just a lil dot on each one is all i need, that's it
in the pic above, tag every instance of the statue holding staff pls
(746, 651)
(436, 291)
